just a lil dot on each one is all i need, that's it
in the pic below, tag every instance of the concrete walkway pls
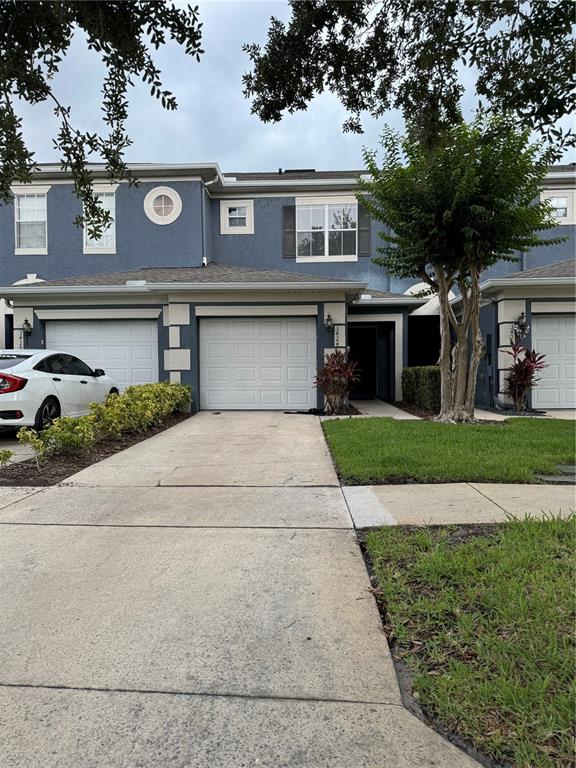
(459, 503)
(198, 600)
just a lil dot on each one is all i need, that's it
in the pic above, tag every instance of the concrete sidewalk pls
(459, 503)
(198, 600)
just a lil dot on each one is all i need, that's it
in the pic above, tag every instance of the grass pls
(486, 626)
(381, 450)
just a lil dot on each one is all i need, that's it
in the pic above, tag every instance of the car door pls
(91, 389)
(66, 385)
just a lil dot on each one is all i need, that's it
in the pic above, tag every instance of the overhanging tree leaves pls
(34, 39)
(450, 212)
(406, 54)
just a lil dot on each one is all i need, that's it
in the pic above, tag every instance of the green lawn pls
(486, 626)
(383, 450)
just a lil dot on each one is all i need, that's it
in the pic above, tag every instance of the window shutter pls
(289, 232)
(363, 231)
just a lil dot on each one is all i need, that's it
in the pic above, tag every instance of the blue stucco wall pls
(139, 242)
(263, 249)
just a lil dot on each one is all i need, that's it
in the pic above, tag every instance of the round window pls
(162, 205)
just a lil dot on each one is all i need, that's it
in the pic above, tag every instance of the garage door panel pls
(555, 336)
(274, 379)
(126, 349)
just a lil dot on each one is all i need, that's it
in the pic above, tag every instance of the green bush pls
(421, 387)
(138, 408)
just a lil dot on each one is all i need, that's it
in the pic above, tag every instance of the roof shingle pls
(558, 269)
(212, 273)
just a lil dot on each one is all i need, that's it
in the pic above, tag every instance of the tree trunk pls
(459, 364)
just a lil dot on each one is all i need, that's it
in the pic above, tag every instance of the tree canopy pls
(380, 54)
(34, 39)
(449, 213)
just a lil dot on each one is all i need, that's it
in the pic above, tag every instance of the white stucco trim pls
(225, 228)
(398, 321)
(176, 201)
(553, 307)
(274, 310)
(112, 313)
(30, 189)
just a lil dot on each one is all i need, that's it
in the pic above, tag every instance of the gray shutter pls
(363, 231)
(289, 232)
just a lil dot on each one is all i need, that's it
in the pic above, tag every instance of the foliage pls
(34, 39)
(485, 625)
(449, 213)
(380, 450)
(375, 56)
(139, 407)
(334, 379)
(5, 456)
(522, 374)
(135, 410)
(421, 387)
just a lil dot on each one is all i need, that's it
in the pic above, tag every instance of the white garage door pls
(555, 336)
(257, 363)
(126, 349)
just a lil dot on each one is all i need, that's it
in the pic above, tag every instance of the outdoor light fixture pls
(520, 329)
(26, 327)
(329, 323)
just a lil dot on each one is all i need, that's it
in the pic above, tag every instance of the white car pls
(38, 385)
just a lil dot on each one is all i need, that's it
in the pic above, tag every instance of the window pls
(75, 367)
(163, 205)
(236, 217)
(562, 202)
(560, 206)
(326, 229)
(30, 219)
(106, 243)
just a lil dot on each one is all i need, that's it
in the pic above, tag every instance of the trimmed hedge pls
(421, 387)
(137, 409)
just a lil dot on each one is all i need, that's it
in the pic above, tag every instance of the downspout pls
(203, 216)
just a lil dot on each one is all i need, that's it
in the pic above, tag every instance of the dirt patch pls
(59, 467)
(414, 410)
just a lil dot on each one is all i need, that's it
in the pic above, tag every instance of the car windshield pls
(8, 361)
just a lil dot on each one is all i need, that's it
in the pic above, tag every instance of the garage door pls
(257, 363)
(555, 336)
(126, 349)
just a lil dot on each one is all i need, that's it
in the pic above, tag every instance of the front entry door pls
(363, 342)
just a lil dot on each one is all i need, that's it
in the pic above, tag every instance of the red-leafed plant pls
(334, 379)
(522, 374)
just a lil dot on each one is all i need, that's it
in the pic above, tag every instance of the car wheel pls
(48, 411)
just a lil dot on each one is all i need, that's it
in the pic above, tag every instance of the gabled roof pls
(558, 269)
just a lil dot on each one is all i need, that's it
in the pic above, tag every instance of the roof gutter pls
(44, 290)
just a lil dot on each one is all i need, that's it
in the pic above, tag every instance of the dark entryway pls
(372, 347)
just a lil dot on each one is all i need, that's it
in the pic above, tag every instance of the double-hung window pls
(326, 229)
(30, 220)
(563, 204)
(106, 243)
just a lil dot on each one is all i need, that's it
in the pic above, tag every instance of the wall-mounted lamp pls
(26, 327)
(520, 329)
(328, 322)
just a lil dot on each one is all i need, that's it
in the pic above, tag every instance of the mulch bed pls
(59, 467)
(422, 413)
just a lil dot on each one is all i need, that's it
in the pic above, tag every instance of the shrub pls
(522, 374)
(5, 456)
(135, 410)
(421, 387)
(334, 379)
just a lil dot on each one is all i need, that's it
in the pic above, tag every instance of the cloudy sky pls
(213, 122)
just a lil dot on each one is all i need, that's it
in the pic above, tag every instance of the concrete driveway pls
(198, 600)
